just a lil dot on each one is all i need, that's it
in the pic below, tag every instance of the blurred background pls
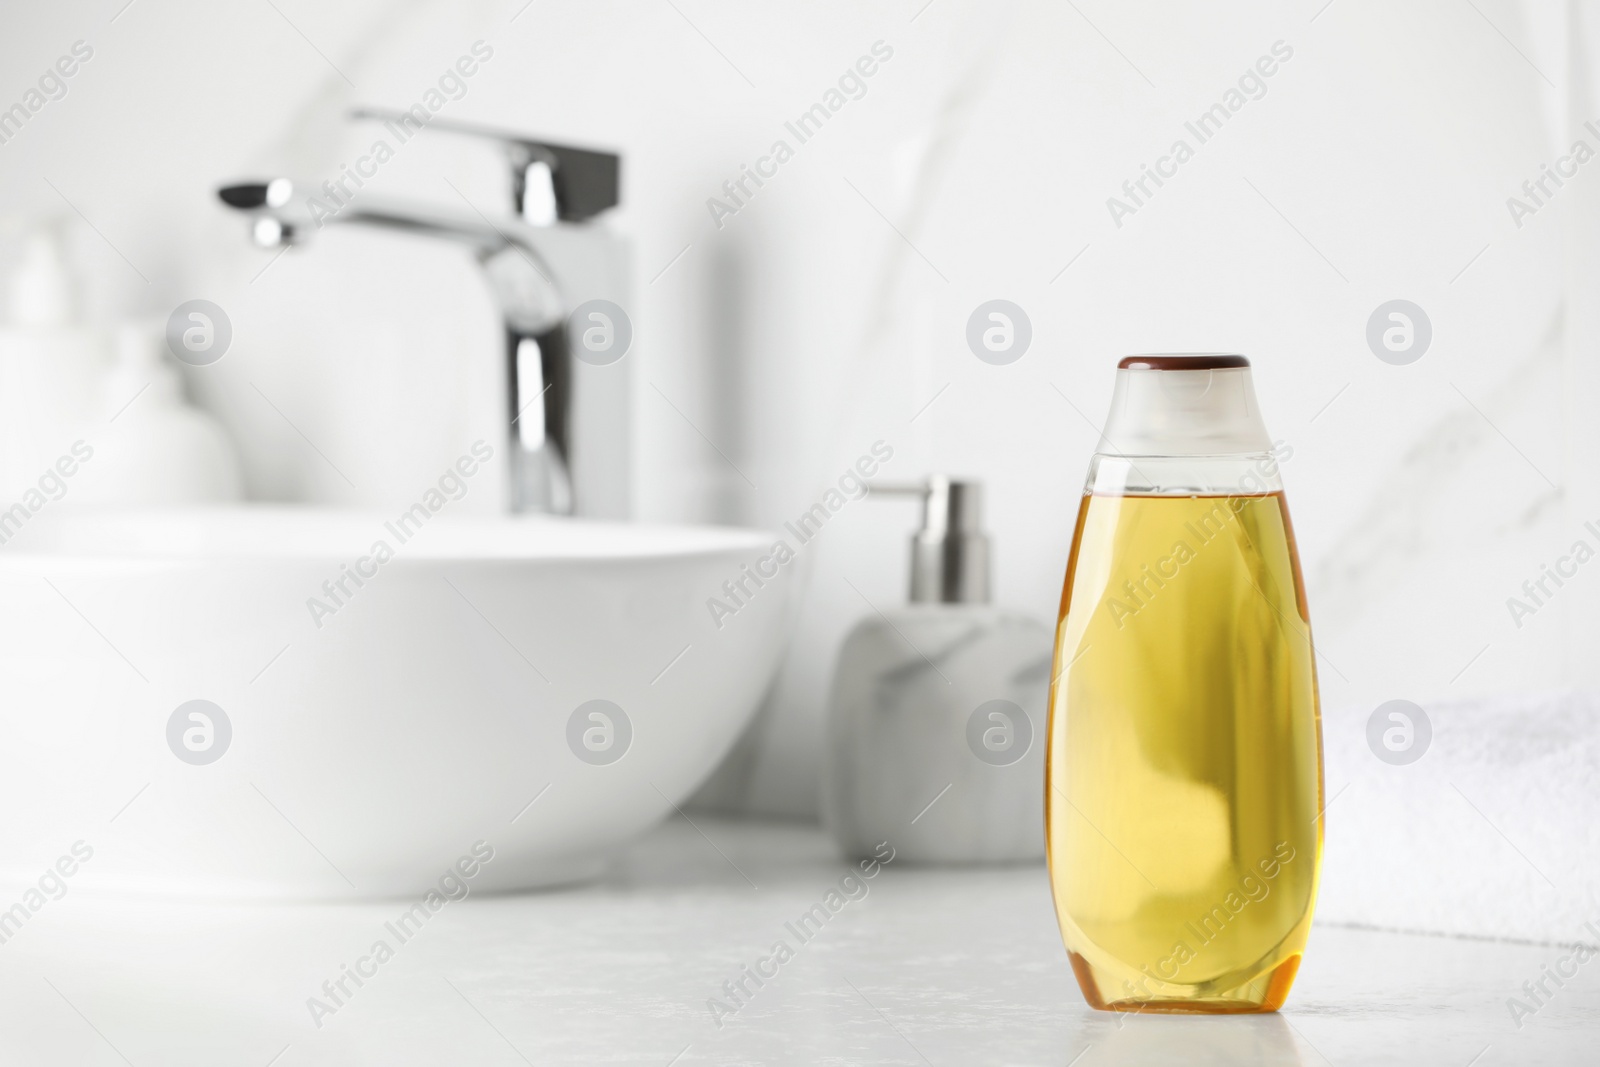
(774, 345)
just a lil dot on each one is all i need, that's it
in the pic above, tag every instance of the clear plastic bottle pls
(1184, 772)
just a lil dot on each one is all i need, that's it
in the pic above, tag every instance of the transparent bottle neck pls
(1243, 474)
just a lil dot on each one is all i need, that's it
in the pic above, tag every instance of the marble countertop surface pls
(929, 967)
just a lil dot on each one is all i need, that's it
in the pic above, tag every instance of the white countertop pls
(929, 967)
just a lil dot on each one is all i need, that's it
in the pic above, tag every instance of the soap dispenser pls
(936, 730)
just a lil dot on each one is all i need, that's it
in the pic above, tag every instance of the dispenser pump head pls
(950, 553)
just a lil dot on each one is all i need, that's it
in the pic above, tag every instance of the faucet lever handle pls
(584, 182)
(917, 489)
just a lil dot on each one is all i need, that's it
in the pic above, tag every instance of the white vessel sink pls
(426, 713)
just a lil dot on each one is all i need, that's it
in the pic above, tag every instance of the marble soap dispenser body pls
(936, 725)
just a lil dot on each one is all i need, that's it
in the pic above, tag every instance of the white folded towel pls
(1493, 832)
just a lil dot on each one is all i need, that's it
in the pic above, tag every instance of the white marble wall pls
(830, 310)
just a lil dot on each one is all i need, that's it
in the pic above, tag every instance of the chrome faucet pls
(568, 419)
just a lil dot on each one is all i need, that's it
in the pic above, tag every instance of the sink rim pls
(291, 534)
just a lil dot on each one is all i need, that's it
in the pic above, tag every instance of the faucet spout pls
(531, 303)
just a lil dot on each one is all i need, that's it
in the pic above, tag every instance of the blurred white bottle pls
(51, 363)
(151, 446)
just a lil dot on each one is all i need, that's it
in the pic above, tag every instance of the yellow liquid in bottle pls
(1184, 780)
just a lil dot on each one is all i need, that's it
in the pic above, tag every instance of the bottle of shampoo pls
(1184, 776)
